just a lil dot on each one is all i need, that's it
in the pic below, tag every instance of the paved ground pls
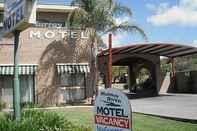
(182, 106)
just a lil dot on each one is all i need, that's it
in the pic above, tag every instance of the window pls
(7, 89)
(26, 86)
(70, 80)
(72, 87)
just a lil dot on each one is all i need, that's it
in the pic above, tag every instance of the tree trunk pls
(93, 67)
(93, 64)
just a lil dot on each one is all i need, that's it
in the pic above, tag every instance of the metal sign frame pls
(18, 15)
(112, 111)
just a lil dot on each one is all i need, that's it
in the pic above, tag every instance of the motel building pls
(52, 70)
(54, 63)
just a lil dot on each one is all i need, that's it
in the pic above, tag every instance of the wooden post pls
(110, 62)
(173, 68)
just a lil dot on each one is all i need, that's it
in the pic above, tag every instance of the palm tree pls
(99, 17)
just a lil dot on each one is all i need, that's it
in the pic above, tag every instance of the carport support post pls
(110, 62)
(173, 67)
(16, 101)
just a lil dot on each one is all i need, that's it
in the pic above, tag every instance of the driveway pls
(182, 106)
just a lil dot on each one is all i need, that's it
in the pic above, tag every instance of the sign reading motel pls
(56, 30)
(112, 111)
(51, 34)
(18, 15)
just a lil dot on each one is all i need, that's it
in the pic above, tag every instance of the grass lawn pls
(1, 114)
(84, 116)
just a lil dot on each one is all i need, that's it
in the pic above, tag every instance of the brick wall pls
(47, 53)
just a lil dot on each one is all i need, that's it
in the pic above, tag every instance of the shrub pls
(2, 105)
(29, 105)
(125, 87)
(39, 121)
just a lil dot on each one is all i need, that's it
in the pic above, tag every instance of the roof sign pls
(18, 15)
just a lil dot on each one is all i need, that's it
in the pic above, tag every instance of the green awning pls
(23, 69)
(73, 68)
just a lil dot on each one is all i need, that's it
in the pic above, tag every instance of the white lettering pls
(84, 35)
(74, 35)
(49, 34)
(36, 34)
(59, 34)
(14, 18)
(63, 34)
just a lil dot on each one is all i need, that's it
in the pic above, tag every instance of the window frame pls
(73, 78)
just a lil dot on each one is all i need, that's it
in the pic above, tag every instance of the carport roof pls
(159, 49)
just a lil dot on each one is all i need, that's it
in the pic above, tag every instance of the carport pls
(138, 56)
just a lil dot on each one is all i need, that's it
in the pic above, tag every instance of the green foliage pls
(186, 63)
(39, 121)
(119, 70)
(29, 105)
(2, 105)
(126, 87)
(165, 68)
(1, 16)
(100, 15)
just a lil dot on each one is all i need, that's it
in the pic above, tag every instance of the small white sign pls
(18, 15)
(112, 111)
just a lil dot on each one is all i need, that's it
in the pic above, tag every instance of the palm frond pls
(128, 28)
(119, 9)
(99, 19)
(77, 16)
(76, 2)
(100, 16)
(87, 5)
(101, 43)
(108, 4)
(111, 2)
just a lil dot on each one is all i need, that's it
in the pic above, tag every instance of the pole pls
(16, 98)
(173, 68)
(110, 62)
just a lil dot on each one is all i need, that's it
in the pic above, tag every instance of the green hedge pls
(2, 105)
(39, 121)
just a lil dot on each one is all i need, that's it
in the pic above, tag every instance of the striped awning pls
(73, 68)
(23, 69)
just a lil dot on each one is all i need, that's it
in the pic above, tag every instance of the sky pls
(173, 21)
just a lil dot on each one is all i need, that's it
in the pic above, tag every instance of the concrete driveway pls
(181, 106)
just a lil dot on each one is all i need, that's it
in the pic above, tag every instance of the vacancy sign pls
(18, 15)
(112, 111)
